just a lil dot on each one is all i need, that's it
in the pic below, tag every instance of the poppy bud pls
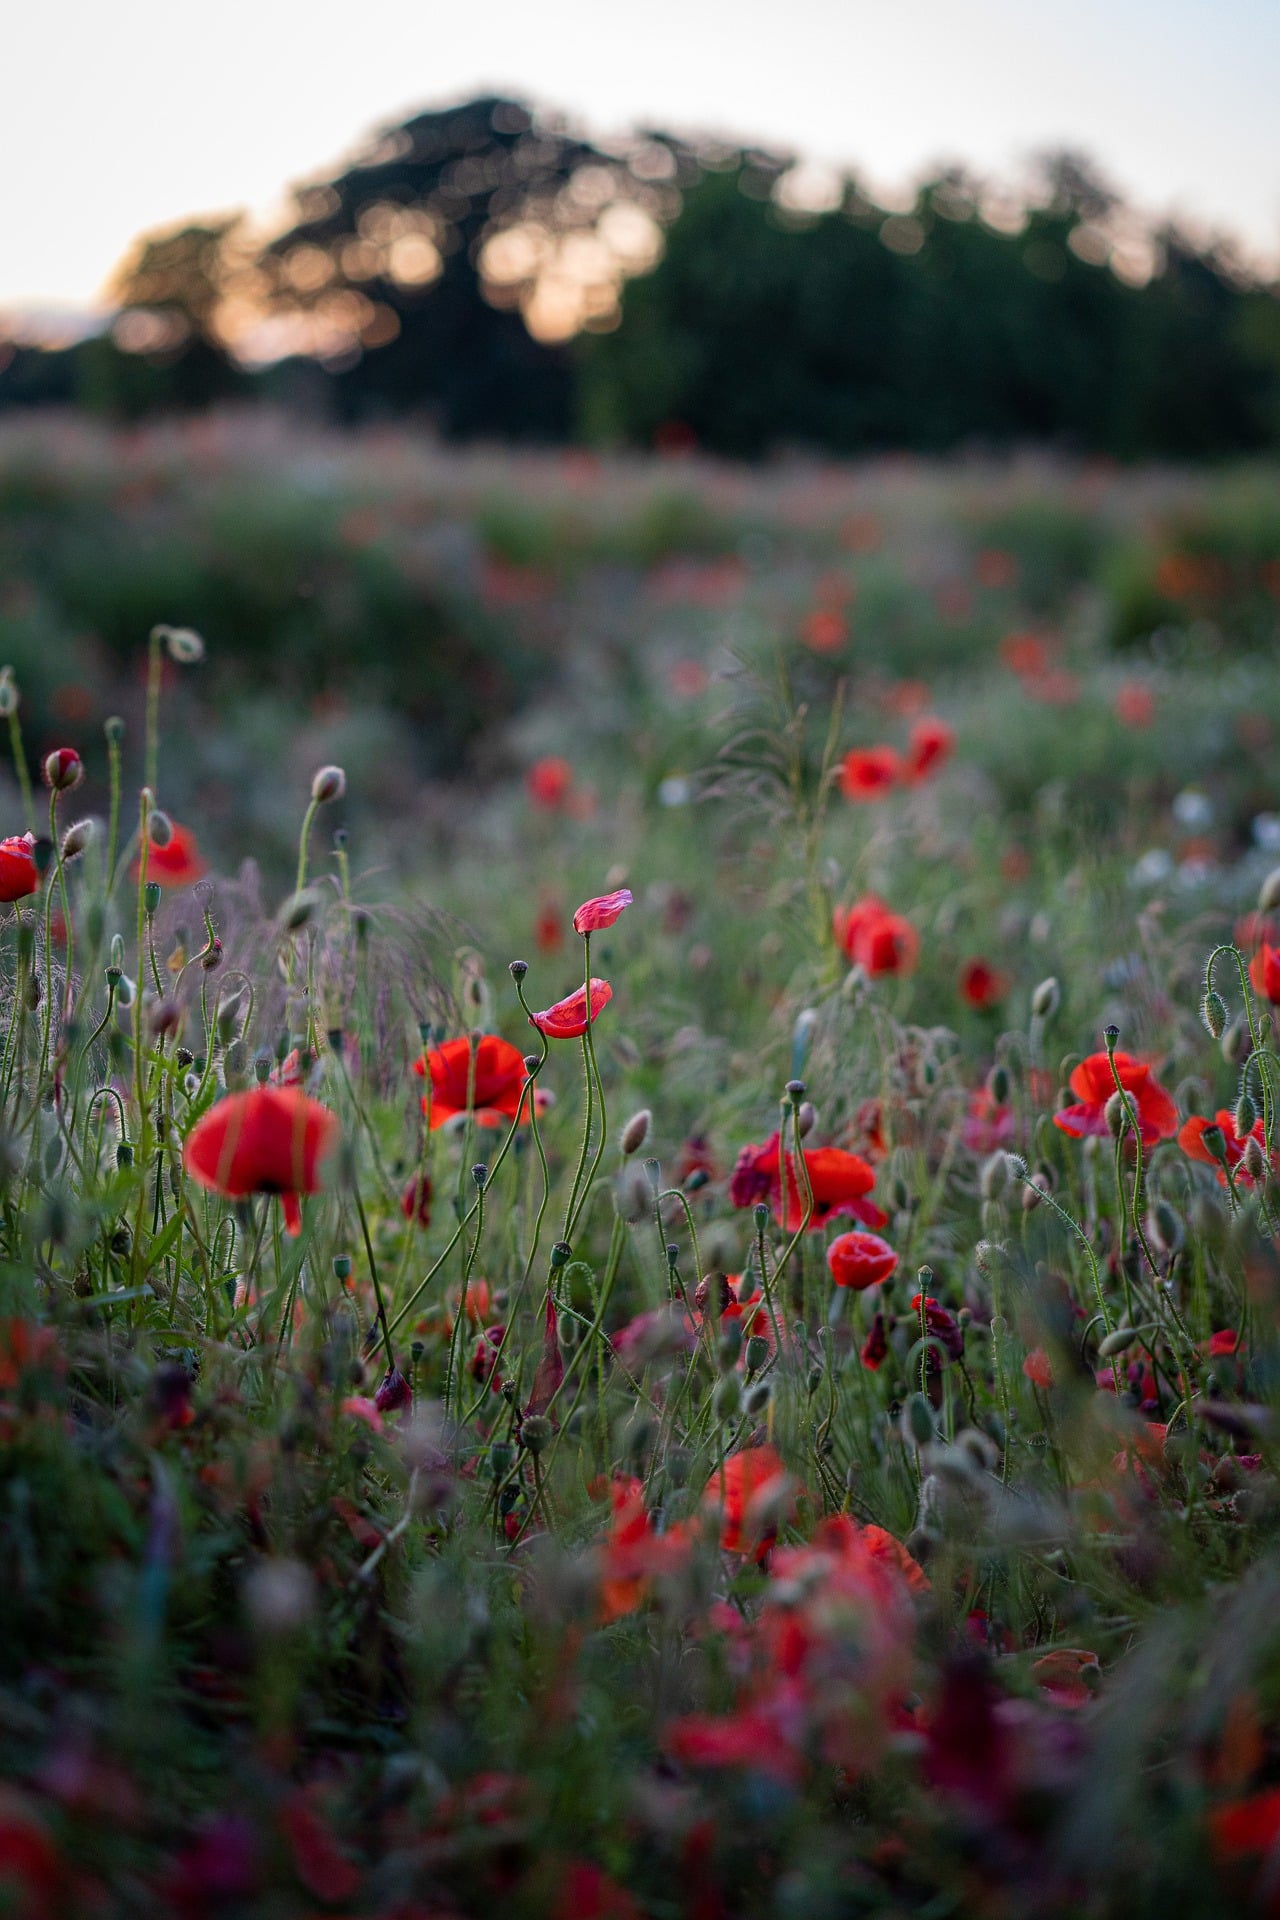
(1254, 1159)
(1046, 999)
(1237, 1043)
(159, 828)
(917, 1421)
(636, 1131)
(1165, 1227)
(757, 1352)
(163, 1018)
(988, 1256)
(500, 1459)
(77, 838)
(673, 1255)
(1215, 1140)
(756, 1398)
(329, 783)
(729, 1346)
(1268, 892)
(536, 1433)
(182, 644)
(212, 955)
(113, 728)
(1213, 1011)
(1116, 1114)
(63, 769)
(300, 908)
(1246, 1116)
(727, 1398)
(8, 693)
(995, 1176)
(518, 969)
(124, 1154)
(998, 1085)
(806, 1118)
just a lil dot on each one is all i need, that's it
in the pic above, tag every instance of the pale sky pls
(118, 117)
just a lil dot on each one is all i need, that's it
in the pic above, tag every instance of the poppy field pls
(639, 1264)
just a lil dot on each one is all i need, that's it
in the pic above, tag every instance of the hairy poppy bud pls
(1254, 1159)
(1213, 1011)
(727, 1398)
(1237, 1043)
(77, 838)
(1165, 1227)
(1034, 1191)
(917, 1421)
(995, 1176)
(636, 1131)
(536, 1433)
(756, 1398)
(1046, 999)
(159, 828)
(63, 769)
(1116, 1114)
(182, 644)
(329, 783)
(806, 1118)
(998, 1085)
(1246, 1116)
(757, 1352)
(1215, 1140)
(1268, 892)
(212, 955)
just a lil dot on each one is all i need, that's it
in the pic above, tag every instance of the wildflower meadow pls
(639, 1108)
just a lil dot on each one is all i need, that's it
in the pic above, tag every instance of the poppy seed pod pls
(329, 783)
(63, 769)
(536, 1433)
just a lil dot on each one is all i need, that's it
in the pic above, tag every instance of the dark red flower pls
(592, 915)
(982, 985)
(930, 744)
(548, 782)
(415, 1200)
(875, 938)
(267, 1140)
(875, 1348)
(634, 1554)
(1039, 1369)
(1264, 973)
(18, 876)
(496, 1084)
(63, 769)
(1093, 1085)
(394, 1392)
(568, 1018)
(869, 773)
(839, 1180)
(860, 1260)
(942, 1324)
(176, 864)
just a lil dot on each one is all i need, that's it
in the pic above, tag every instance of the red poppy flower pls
(394, 1394)
(633, 1553)
(982, 985)
(875, 1348)
(1038, 1369)
(178, 863)
(860, 1260)
(569, 1018)
(1264, 973)
(942, 1324)
(1061, 1675)
(1093, 1085)
(1239, 1828)
(839, 1180)
(868, 773)
(268, 1140)
(876, 939)
(592, 915)
(1135, 704)
(1224, 1344)
(930, 745)
(415, 1201)
(497, 1085)
(1191, 1140)
(824, 630)
(548, 782)
(748, 1494)
(1027, 654)
(18, 876)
